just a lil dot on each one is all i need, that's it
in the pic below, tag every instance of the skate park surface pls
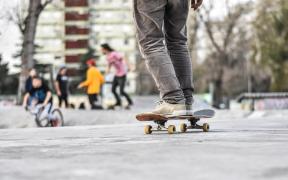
(112, 145)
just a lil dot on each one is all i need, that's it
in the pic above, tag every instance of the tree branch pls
(232, 22)
(43, 5)
(208, 26)
(20, 22)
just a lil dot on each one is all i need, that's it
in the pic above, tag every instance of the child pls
(93, 82)
(40, 93)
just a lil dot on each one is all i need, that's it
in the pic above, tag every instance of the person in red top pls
(116, 60)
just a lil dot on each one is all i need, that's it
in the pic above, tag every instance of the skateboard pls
(161, 120)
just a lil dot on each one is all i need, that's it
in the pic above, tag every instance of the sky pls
(9, 34)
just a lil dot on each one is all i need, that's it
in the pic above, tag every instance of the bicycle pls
(44, 118)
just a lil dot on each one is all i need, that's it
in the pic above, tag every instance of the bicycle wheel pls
(41, 119)
(57, 120)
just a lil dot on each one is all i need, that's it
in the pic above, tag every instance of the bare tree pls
(28, 26)
(193, 27)
(222, 35)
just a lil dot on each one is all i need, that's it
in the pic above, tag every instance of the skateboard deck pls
(160, 120)
(204, 113)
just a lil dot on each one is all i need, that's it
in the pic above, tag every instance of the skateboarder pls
(162, 37)
(116, 60)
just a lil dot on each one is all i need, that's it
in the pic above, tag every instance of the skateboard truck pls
(193, 125)
(148, 129)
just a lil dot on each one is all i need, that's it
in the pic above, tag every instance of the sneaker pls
(128, 107)
(167, 109)
(117, 104)
(186, 112)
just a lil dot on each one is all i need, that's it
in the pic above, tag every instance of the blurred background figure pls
(230, 56)
(118, 62)
(93, 82)
(28, 83)
(61, 85)
(39, 94)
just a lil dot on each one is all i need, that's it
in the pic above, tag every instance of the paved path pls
(234, 149)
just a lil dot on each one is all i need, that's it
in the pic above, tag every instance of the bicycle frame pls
(36, 109)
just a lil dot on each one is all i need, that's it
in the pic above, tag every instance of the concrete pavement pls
(236, 148)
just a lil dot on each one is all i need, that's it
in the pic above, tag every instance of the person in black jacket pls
(61, 86)
(28, 83)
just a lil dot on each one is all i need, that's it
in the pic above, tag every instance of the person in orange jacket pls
(93, 82)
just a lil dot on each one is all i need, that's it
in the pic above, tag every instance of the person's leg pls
(96, 105)
(176, 39)
(65, 98)
(115, 84)
(59, 101)
(91, 100)
(149, 18)
(94, 99)
(122, 82)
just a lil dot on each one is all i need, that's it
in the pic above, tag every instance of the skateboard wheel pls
(183, 127)
(206, 127)
(171, 129)
(148, 129)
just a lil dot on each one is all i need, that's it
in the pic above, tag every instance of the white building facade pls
(68, 27)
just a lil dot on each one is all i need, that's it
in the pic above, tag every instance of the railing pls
(265, 101)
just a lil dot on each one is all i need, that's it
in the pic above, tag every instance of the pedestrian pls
(162, 37)
(28, 83)
(61, 86)
(93, 82)
(116, 60)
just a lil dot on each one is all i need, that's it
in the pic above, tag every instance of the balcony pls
(76, 3)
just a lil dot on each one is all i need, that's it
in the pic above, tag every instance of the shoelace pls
(159, 102)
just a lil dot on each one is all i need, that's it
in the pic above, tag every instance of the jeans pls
(162, 37)
(120, 81)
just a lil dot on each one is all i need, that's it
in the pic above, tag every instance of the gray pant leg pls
(176, 38)
(149, 19)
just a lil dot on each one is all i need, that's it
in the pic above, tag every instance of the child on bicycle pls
(41, 95)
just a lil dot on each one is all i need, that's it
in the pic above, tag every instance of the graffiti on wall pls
(270, 104)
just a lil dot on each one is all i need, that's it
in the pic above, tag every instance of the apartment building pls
(111, 21)
(50, 47)
(68, 27)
